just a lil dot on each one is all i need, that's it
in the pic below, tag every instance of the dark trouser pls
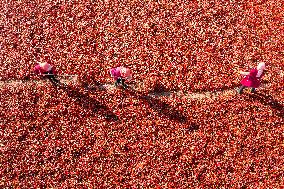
(243, 87)
(51, 77)
(120, 81)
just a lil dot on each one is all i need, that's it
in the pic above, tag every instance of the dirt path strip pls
(190, 95)
(109, 87)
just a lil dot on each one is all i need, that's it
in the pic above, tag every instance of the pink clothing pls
(38, 70)
(42, 70)
(251, 80)
(115, 73)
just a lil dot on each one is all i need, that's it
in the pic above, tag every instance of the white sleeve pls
(259, 73)
(244, 73)
(49, 67)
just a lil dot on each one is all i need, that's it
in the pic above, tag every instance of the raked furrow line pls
(109, 87)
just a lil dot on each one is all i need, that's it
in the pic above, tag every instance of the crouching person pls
(252, 79)
(46, 70)
(120, 75)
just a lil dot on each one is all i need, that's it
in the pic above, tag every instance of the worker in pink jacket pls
(120, 74)
(45, 69)
(252, 79)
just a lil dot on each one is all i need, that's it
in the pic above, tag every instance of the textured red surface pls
(70, 137)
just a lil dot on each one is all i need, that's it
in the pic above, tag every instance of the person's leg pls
(241, 89)
(46, 76)
(123, 83)
(52, 78)
(118, 81)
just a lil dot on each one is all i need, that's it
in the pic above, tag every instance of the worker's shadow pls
(87, 102)
(268, 100)
(158, 105)
(96, 86)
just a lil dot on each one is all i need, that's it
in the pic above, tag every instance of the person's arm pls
(244, 73)
(129, 78)
(260, 73)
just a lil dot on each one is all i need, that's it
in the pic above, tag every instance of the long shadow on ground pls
(158, 105)
(268, 100)
(84, 100)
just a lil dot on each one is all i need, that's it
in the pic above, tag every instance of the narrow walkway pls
(111, 88)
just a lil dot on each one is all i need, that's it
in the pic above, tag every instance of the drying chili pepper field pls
(179, 124)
